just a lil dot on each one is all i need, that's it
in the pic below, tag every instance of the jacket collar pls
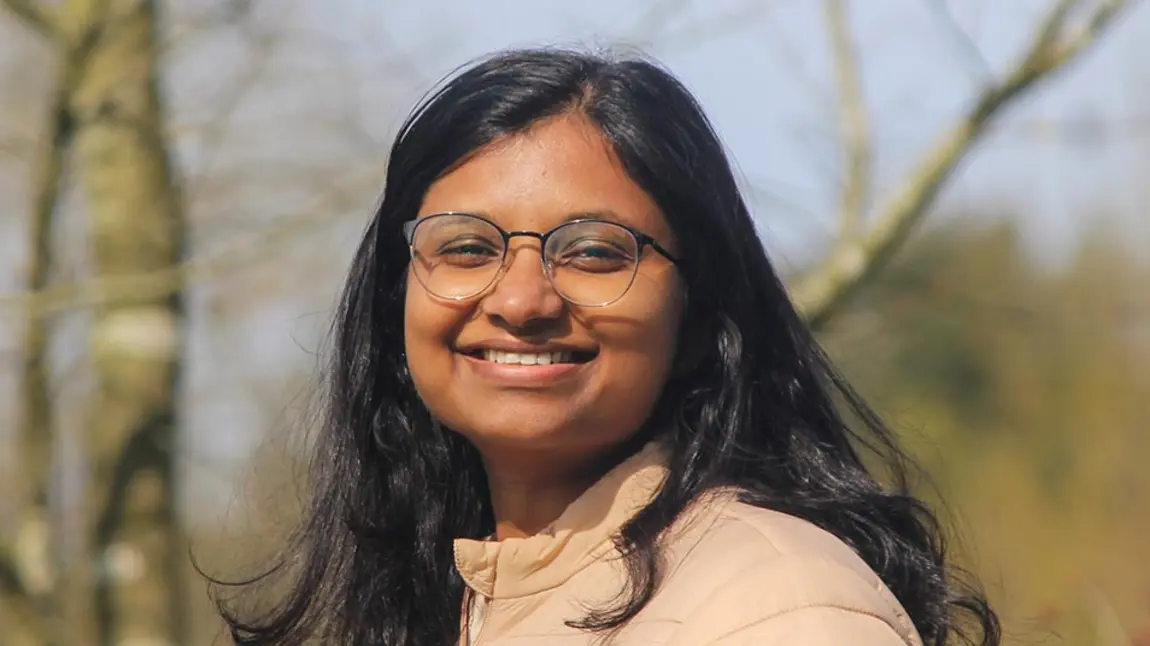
(518, 567)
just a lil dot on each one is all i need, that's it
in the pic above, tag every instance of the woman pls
(570, 401)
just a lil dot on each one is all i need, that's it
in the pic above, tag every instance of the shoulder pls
(737, 567)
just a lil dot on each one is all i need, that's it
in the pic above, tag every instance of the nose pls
(523, 296)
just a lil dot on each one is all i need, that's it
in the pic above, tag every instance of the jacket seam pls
(889, 599)
(819, 606)
(708, 521)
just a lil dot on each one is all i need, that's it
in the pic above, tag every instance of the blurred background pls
(956, 191)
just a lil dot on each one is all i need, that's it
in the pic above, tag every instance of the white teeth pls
(527, 358)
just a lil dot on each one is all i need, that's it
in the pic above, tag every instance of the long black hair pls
(758, 405)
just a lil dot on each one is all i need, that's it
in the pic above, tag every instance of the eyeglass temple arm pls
(645, 239)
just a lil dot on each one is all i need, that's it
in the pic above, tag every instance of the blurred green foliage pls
(1025, 392)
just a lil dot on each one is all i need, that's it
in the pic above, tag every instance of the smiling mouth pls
(532, 358)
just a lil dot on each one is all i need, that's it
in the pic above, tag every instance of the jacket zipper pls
(481, 623)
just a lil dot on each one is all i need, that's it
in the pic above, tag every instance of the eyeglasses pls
(590, 263)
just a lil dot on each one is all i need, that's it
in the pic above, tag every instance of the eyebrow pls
(601, 214)
(593, 214)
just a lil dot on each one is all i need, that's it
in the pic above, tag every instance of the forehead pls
(556, 171)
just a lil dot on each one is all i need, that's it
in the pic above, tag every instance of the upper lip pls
(506, 345)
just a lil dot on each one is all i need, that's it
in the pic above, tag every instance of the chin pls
(522, 435)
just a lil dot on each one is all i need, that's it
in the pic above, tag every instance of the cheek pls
(426, 329)
(659, 305)
(641, 344)
(645, 336)
(412, 318)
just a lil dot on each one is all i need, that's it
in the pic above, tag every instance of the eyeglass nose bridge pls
(541, 237)
(506, 261)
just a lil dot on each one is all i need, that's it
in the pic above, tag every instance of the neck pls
(529, 492)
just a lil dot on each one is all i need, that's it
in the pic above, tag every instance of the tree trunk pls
(136, 226)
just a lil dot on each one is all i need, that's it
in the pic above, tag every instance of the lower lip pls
(515, 374)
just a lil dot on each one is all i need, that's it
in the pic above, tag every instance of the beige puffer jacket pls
(736, 575)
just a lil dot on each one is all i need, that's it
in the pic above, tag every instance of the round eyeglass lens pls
(456, 256)
(591, 263)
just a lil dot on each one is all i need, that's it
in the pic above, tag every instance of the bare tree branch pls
(1051, 26)
(749, 13)
(1099, 19)
(977, 65)
(655, 26)
(35, 429)
(217, 15)
(654, 20)
(35, 15)
(855, 259)
(48, 185)
(855, 129)
(35, 434)
(214, 133)
(109, 291)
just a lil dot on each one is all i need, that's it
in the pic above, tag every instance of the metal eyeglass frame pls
(642, 240)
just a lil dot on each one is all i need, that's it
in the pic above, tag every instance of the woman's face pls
(621, 353)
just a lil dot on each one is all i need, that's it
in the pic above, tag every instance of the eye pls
(594, 255)
(596, 250)
(465, 252)
(473, 248)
